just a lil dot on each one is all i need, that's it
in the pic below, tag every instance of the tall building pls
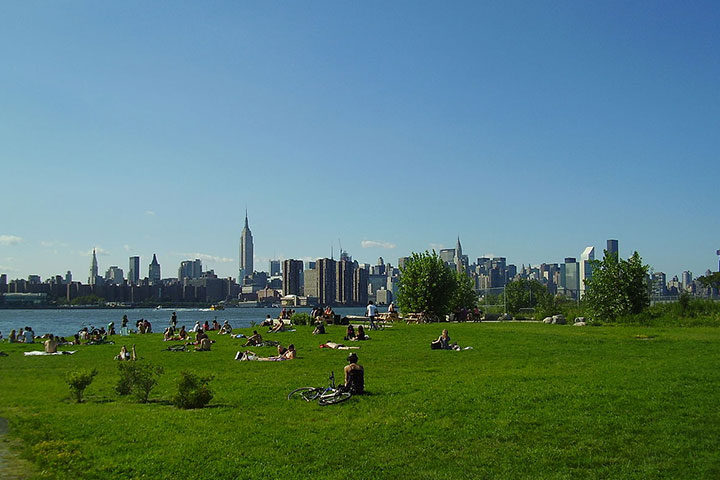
(458, 258)
(190, 269)
(154, 270)
(274, 268)
(344, 281)
(612, 247)
(114, 275)
(324, 280)
(291, 275)
(570, 277)
(360, 286)
(134, 271)
(68, 277)
(93, 279)
(687, 279)
(586, 267)
(246, 252)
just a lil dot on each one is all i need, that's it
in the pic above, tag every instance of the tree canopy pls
(428, 285)
(522, 293)
(617, 287)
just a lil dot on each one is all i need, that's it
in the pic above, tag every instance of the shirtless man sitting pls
(51, 344)
(354, 376)
(254, 339)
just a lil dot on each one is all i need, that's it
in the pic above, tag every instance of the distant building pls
(133, 271)
(326, 281)
(612, 247)
(586, 267)
(274, 268)
(344, 274)
(687, 279)
(68, 277)
(246, 252)
(383, 297)
(34, 279)
(190, 269)
(93, 278)
(570, 278)
(154, 271)
(114, 275)
(402, 261)
(360, 286)
(447, 255)
(291, 277)
(659, 284)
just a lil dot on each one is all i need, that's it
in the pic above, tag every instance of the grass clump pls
(78, 381)
(193, 390)
(138, 379)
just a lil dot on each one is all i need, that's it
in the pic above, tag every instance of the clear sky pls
(529, 129)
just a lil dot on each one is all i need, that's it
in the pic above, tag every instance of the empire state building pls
(246, 252)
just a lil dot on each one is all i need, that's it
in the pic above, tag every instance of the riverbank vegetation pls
(529, 400)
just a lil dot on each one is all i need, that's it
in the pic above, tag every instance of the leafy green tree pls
(522, 293)
(426, 284)
(710, 281)
(464, 296)
(617, 287)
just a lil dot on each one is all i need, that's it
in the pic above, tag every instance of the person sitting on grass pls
(319, 328)
(279, 327)
(12, 338)
(443, 342)
(288, 354)
(51, 344)
(254, 339)
(350, 333)
(124, 355)
(203, 345)
(361, 334)
(182, 333)
(215, 325)
(226, 329)
(354, 376)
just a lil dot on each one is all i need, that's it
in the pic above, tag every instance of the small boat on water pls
(217, 307)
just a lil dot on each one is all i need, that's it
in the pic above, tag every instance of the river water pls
(68, 321)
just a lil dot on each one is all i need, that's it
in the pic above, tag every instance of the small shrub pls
(193, 391)
(301, 319)
(78, 381)
(137, 379)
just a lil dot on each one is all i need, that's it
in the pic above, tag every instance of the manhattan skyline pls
(529, 131)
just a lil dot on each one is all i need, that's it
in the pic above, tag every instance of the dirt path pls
(12, 467)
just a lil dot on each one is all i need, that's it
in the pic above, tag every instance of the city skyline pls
(530, 131)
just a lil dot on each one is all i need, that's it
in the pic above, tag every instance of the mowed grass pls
(528, 401)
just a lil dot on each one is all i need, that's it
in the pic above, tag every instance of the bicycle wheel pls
(306, 393)
(333, 398)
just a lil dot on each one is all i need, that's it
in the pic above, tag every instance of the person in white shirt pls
(371, 314)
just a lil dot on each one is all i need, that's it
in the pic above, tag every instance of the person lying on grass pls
(288, 354)
(125, 355)
(336, 346)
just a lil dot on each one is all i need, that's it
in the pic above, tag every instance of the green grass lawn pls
(528, 401)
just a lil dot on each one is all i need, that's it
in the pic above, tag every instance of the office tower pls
(360, 286)
(447, 255)
(612, 247)
(190, 269)
(291, 274)
(344, 271)
(326, 280)
(687, 279)
(274, 268)
(458, 258)
(246, 252)
(659, 286)
(134, 271)
(115, 275)
(154, 270)
(92, 280)
(586, 267)
(68, 277)
(402, 261)
(570, 277)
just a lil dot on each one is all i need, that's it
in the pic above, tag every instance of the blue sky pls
(529, 129)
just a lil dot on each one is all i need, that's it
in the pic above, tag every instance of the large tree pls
(464, 296)
(617, 287)
(426, 285)
(523, 293)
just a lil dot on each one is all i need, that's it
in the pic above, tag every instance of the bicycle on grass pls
(324, 395)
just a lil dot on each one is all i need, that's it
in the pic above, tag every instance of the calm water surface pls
(65, 322)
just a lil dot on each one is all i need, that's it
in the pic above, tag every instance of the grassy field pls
(528, 401)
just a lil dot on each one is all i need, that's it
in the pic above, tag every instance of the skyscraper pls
(612, 247)
(154, 270)
(291, 273)
(246, 252)
(274, 268)
(585, 267)
(134, 271)
(92, 280)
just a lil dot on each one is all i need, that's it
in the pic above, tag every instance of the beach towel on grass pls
(39, 353)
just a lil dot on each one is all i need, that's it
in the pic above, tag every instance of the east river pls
(67, 321)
